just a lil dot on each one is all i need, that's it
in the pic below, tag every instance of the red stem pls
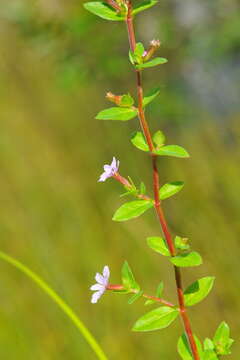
(158, 208)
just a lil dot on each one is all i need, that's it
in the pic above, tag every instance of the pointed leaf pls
(181, 243)
(139, 141)
(117, 113)
(184, 260)
(172, 150)
(159, 245)
(128, 279)
(132, 210)
(156, 61)
(184, 349)
(159, 138)
(198, 290)
(156, 319)
(170, 189)
(103, 10)
(144, 5)
(150, 96)
(135, 297)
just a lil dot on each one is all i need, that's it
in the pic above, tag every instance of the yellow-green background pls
(56, 63)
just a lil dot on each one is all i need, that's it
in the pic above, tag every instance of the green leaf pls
(132, 210)
(172, 150)
(170, 189)
(117, 113)
(135, 297)
(184, 260)
(139, 141)
(151, 63)
(103, 10)
(126, 101)
(209, 355)
(222, 340)
(159, 138)
(159, 245)
(144, 5)
(150, 96)
(181, 243)
(128, 279)
(156, 319)
(198, 290)
(184, 349)
(208, 344)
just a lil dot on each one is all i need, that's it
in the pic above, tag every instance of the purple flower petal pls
(95, 297)
(106, 272)
(96, 287)
(99, 279)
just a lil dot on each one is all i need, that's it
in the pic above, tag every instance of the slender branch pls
(158, 208)
(150, 297)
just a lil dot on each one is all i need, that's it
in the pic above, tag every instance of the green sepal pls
(136, 57)
(198, 290)
(132, 210)
(172, 150)
(185, 260)
(208, 344)
(156, 61)
(128, 279)
(117, 113)
(135, 297)
(184, 349)
(126, 101)
(103, 10)
(142, 189)
(159, 138)
(149, 302)
(139, 141)
(160, 288)
(150, 96)
(144, 5)
(159, 245)
(156, 319)
(222, 340)
(209, 355)
(181, 243)
(170, 189)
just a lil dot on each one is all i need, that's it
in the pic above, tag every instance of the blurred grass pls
(55, 65)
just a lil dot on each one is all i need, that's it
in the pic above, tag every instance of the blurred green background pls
(56, 63)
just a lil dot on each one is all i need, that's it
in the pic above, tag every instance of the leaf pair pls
(104, 11)
(139, 142)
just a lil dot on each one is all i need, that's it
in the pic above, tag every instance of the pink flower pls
(101, 286)
(109, 170)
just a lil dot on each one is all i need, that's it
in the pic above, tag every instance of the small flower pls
(109, 170)
(101, 286)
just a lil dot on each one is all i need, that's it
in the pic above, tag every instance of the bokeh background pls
(56, 64)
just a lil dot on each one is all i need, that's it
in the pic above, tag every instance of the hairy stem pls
(156, 185)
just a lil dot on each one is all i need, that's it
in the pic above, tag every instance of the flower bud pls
(116, 99)
(154, 45)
